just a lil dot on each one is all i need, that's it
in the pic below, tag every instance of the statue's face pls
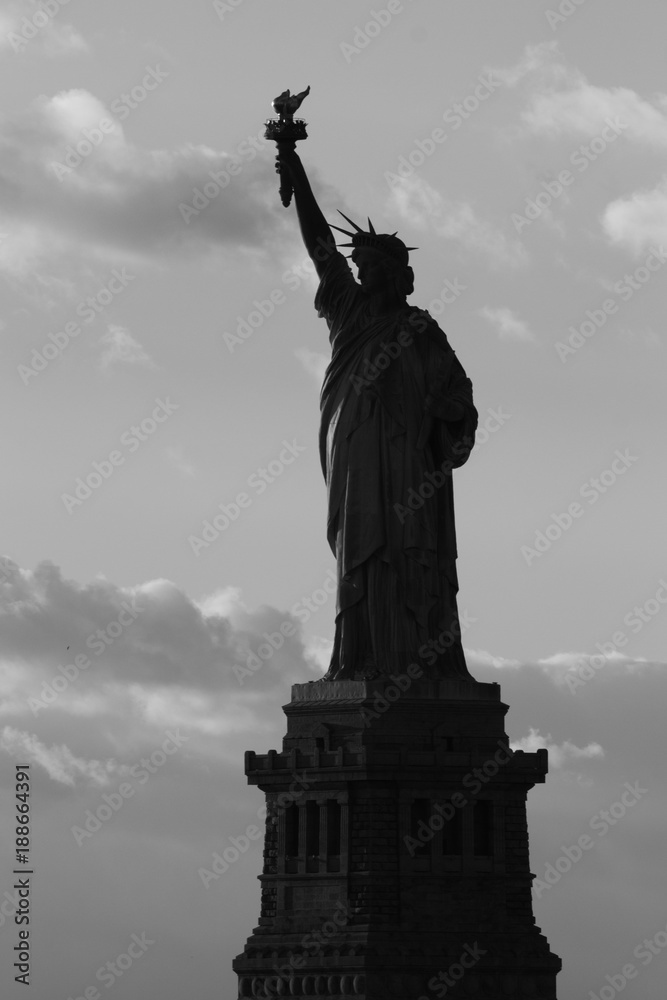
(372, 270)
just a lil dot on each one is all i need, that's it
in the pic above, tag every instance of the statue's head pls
(382, 258)
(379, 271)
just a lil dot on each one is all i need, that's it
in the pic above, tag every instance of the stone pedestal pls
(396, 851)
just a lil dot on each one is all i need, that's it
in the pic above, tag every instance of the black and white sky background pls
(444, 124)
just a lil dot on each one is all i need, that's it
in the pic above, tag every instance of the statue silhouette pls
(397, 416)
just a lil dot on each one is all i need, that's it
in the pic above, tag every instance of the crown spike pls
(370, 227)
(346, 231)
(358, 228)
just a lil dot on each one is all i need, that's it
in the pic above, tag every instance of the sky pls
(162, 357)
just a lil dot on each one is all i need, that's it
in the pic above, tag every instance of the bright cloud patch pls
(58, 761)
(420, 204)
(586, 109)
(28, 27)
(561, 101)
(480, 657)
(509, 326)
(640, 220)
(120, 347)
(558, 754)
(152, 635)
(314, 363)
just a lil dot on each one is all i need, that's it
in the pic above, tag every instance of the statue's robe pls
(390, 502)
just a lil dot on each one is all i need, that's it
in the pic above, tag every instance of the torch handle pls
(286, 187)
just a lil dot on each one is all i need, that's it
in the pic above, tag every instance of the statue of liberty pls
(397, 416)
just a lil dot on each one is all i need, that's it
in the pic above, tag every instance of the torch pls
(288, 130)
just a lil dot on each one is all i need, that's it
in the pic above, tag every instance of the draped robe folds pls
(390, 503)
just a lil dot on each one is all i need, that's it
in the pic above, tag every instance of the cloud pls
(318, 653)
(122, 348)
(62, 40)
(152, 635)
(561, 101)
(640, 220)
(314, 363)
(559, 754)
(509, 326)
(58, 761)
(587, 109)
(21, 31)
(115, 200)
(225, 602)
(481, 658)
(535, 57)
(420, 204)
(559, 666)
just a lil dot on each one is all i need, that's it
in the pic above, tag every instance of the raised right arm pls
(317, 235)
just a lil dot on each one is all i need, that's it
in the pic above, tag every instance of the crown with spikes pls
(387, 243)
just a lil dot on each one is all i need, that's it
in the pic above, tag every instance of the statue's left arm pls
(449, 401)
